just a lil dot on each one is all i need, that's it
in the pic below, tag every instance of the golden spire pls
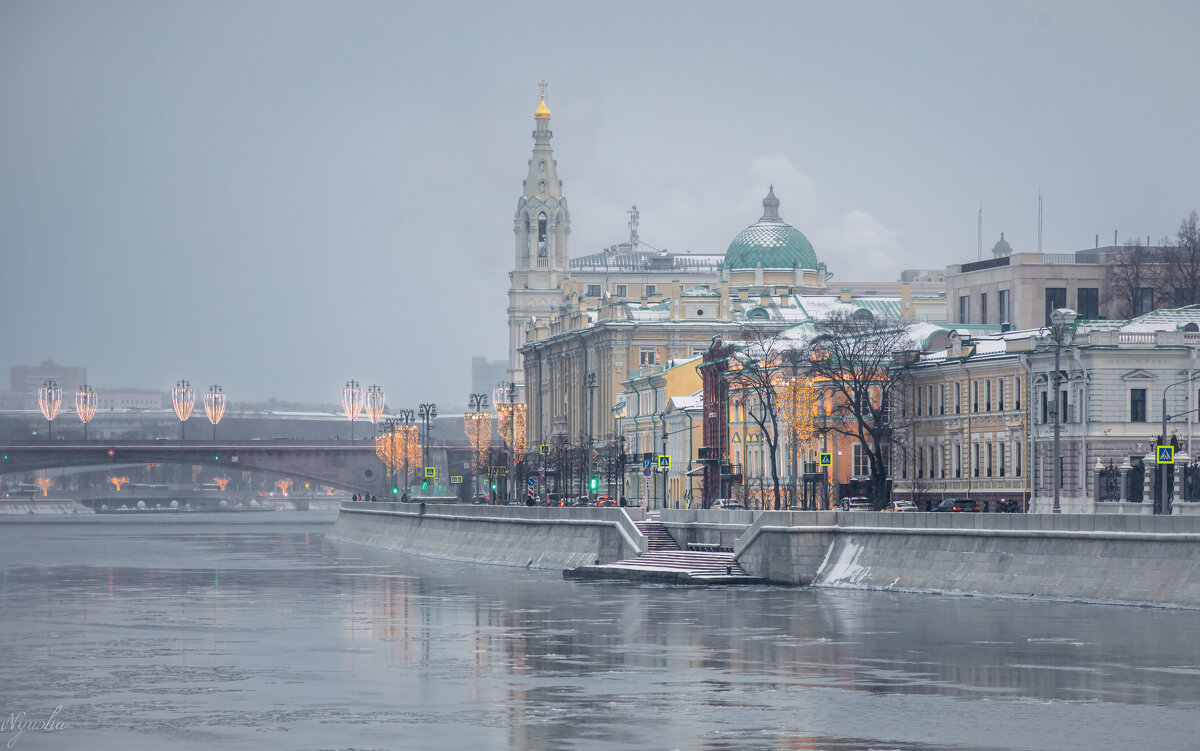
(542, 113)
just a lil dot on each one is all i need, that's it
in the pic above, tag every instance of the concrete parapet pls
(508, 535)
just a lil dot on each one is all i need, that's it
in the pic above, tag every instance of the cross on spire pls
(542, 85)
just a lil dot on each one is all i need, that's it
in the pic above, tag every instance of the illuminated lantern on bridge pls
(183, 399)
(85, 406)
(352, 402)
(214, 406)
(50, 399)
(373, 405)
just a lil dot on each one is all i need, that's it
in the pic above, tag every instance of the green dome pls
(772, 242)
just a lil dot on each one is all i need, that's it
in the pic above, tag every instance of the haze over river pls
(254, 631)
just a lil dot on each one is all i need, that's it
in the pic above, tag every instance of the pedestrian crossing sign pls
(430, 472)
(1166, 454)
(825, 459)
(544, 449)
(664, 462)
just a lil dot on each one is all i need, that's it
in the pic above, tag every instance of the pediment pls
(1139, 375)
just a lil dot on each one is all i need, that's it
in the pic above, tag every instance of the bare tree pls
(1132, 275)
(1181, 266)
(862, 359)
(754, 376)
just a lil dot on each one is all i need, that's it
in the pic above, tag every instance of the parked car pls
(605, 501)
(855, 503)
(901, 506)
(956, 504)
(727, 503)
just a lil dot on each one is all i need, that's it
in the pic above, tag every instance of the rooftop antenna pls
(1039, 220)
(979, 248)
(633, 226)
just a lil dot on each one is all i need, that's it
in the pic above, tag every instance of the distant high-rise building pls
(487, 374)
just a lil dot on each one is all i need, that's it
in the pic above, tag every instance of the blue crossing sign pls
(664, 462)
(1165, 454)
(825, 459)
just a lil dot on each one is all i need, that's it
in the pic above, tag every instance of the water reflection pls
(210, 635)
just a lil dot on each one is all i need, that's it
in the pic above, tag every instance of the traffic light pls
(112, 452)
(395, 491)
(425, 485)
(216, 458)
(595, 483)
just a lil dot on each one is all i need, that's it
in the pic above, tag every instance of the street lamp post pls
(589, 383)
(373, 406)
(405, 418)
(1062, 326)
(183, 399)
(389, 430)
(1163, 495)
(214, 406)
(352, 403)
(663, 419)
(476, 433)
(50, 399)
(85, 406)
(426, 412)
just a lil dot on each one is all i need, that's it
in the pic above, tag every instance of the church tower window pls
(542, 235)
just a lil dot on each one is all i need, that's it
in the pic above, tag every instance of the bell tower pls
(541, 225)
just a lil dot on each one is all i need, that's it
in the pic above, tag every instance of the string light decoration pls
(183, 399)
(221, 482)
(214, 407)
(284, 485)
(798, 406)
(352, 403)
(85, 406)
(512, 424)
(118, 482)
(479, 431)
(50, 399)
(44, 484)
(373, 404)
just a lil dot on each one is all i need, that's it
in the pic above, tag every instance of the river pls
(254, 631)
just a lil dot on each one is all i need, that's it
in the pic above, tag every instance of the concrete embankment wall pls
(508, 535)
(1128, 559)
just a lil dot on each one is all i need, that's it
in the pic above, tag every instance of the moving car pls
(855, 503)
(901, 506)
(727, 503)
(956, 504)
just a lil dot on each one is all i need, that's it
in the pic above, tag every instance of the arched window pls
(541, 186)
(542, 165)
(542, 235)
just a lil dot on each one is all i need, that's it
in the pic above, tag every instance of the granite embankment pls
(507, 535)
(1124, 559)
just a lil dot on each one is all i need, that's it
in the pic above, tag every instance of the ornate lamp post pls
(85, 406)
(479, 432)
(409, 444)
(50, 399)
(352, 402)
(214, 406)
(387, 449)
(512, 422)
(373, 404)
(183, 399)
(1062, 327)
(426, 412)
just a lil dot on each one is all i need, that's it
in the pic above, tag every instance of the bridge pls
(348, 465)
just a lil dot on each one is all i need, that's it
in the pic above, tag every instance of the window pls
(983, 307)
(651, 289)
(621, 290)
(1143, 300)
(1003, 450)
(1017, 461)
(975, 468)
(1137, 405)
(964, 309)
(957, 398)
(1056, 297)
(929, 400)
(648, 356)
(974, 396)
(1017, 393)
(942, 399)
(861, 464)
(958, 461)
(1000, 393)
(1003, 303)
(987, 386)
(1089, 303)
(1045, 407)
(593, 290)
(920, 461)
(542, 235)
(988, 451)
(918, 395)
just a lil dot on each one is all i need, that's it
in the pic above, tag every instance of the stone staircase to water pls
(666, 561)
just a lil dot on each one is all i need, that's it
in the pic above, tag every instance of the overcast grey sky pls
(280, 196)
